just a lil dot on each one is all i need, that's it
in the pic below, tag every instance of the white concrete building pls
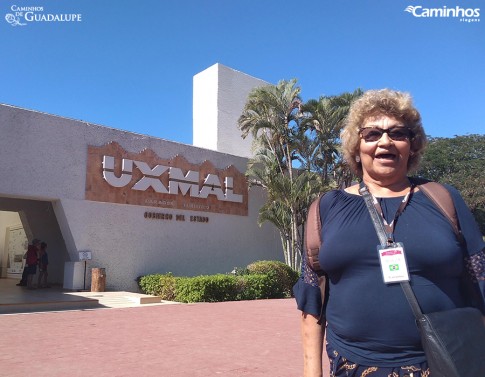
(136, 204)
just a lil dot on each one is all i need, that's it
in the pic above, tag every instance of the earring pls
(357, 159)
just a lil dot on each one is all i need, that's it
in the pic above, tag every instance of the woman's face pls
(383, 158)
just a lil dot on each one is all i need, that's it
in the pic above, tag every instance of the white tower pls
(220, 94)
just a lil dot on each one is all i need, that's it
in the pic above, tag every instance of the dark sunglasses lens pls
(371, 134)
(399, 135)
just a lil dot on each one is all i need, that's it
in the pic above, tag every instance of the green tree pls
(287, 201)
(296, 154)
(272, 116)
(324, 120)
(460, 162)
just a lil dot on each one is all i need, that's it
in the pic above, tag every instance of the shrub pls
(159, 285)
(259, 280)
(214, 288)
(255, 287)
(285, 277)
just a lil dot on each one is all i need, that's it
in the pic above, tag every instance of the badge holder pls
(393, 263)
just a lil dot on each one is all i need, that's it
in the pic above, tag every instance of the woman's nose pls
(385, 139)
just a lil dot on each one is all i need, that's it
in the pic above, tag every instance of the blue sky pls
(129, 64)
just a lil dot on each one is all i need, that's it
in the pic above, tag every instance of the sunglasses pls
(397, 133)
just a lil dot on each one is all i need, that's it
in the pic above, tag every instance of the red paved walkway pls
(250, 338)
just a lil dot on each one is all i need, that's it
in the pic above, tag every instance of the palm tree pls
(325, 118)
(287, 202)
(296, 154)
(271, 115)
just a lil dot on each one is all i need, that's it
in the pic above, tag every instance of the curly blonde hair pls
(391, 103)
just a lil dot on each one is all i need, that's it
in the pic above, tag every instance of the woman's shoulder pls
(348, 191)
(351, 192)
(338, 197)
(453, 191)
(467, 222)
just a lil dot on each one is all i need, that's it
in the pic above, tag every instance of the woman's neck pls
(384, 189)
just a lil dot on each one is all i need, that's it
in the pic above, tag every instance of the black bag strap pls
(436, 192)
(381, 233)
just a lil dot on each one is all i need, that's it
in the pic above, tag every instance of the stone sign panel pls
(117, 176)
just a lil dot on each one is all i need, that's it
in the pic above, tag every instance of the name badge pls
(393, 263)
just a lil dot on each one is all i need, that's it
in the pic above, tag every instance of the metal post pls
(84, 284)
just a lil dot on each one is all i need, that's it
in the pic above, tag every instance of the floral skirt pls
(341, 367)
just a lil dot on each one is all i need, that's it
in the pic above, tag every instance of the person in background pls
(43, 263)
(25, 273)
(32, 259)
(370, 328)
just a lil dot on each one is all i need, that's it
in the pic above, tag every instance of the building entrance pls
(22, 220)
(14, 245)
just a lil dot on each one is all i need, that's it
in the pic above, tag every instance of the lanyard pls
(390, 227)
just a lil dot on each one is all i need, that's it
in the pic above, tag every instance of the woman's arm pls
(475, 245)
(312, 334)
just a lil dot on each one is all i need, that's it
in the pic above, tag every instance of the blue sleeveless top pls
(370, 322)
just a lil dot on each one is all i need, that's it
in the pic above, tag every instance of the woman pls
(370, 328)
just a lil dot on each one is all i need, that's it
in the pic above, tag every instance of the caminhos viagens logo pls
(458, 13)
